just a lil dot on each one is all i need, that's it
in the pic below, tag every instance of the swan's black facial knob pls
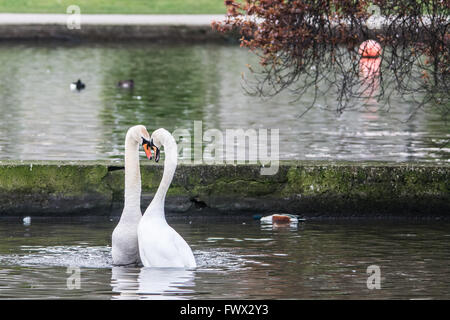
(146, 145)
(156, 153)
(155, 150)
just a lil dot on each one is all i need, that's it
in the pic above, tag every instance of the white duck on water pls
(159, 244)
(124, 237)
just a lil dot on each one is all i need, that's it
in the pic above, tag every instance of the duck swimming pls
(77, 85)
(126, 84)
(281, 218)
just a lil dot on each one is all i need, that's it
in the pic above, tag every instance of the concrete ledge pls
(308, 188)
(110, 19)
(114, 27)
(143, 27)
(161, 33)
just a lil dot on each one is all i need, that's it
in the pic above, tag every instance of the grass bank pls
(115, 7)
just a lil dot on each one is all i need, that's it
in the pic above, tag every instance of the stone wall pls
(308, 188)
(95, 33)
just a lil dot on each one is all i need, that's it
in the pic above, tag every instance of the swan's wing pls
(183, 250)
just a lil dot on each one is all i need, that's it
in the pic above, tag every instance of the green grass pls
(115, 6)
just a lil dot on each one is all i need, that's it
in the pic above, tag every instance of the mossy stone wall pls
(308, 188)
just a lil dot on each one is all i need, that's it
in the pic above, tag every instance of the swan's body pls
(124, 238)
(159, 244)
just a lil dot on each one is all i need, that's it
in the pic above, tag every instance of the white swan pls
(124, 237)
(159, 244)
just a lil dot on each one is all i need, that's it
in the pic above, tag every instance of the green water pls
(41, 119)
(175, 85)
(237, 258)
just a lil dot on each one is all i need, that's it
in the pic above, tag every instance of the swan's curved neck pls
(170, 165)
(132, 173)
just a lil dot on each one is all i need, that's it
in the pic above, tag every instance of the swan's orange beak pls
(148, 153)
(148, 148)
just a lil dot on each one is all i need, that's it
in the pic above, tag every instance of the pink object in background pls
(370, 49)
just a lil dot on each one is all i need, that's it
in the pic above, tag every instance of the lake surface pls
(238, 258)
(41, 119)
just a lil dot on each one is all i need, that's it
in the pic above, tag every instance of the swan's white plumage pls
(163, 247)
(159, 244)
(124, 237)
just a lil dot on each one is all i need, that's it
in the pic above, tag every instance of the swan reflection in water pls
(152, 283)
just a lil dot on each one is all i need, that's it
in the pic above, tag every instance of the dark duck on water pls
(126, 84)
(77, 85)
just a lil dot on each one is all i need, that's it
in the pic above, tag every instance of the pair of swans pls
(148, 239)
